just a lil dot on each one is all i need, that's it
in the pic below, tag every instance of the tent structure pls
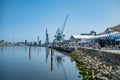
(81, 36)
(116, 28)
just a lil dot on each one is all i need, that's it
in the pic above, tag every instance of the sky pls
(22, 20)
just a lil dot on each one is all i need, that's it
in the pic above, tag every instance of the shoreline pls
(98, 67)
(95, 64)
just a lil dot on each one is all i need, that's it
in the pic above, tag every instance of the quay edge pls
(96, 64)
(66, 49)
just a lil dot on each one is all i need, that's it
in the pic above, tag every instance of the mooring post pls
(51, 59)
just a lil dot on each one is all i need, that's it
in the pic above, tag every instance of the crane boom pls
(62, 29)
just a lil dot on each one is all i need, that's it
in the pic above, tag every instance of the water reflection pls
(51, 57)
(60, 60)
(35, 49)
(25, 49)
(47, 53)
(1, 49)
(51, 60)
(39, 50)
(48, 65)
(29, 53)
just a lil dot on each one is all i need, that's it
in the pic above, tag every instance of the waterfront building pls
(79, 40)
(38, 41)
(107, 39)
(33, 43)
(2, 43)
(26, 43)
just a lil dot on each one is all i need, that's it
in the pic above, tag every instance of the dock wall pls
(66, 49)
(112, 57)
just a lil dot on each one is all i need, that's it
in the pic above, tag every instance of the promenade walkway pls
(111, 50)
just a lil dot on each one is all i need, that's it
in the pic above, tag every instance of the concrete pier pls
(110, 55)
(66, 49)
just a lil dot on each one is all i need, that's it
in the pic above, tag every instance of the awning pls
(116, 28)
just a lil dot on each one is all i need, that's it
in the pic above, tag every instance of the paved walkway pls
(117, 51)
(111, 50)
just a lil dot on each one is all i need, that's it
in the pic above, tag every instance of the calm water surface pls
(36, 63)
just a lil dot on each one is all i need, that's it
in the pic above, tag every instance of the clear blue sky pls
(26, 19)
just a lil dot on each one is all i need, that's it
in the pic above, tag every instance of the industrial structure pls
(59, 37)
(47, 38)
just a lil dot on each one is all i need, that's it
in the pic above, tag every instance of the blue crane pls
(59, 33)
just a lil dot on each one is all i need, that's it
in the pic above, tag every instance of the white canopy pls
(105, 35)
(81, 36)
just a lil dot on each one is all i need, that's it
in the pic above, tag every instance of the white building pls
(79, 40)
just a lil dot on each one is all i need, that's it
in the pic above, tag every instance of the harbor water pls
(36, 63)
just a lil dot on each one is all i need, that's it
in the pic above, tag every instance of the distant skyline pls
(22, 20)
